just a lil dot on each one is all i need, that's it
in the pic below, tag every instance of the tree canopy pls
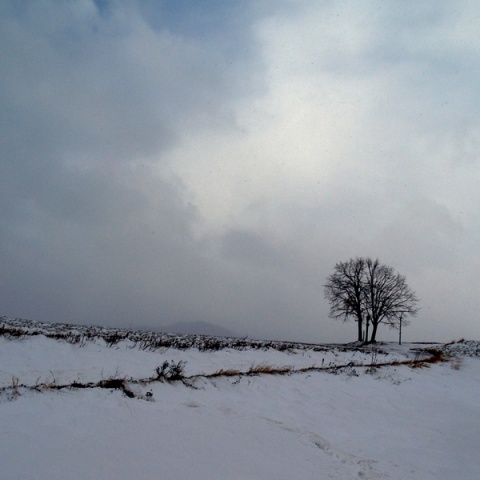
(371, 293)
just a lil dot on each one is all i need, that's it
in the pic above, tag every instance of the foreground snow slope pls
(396, 422)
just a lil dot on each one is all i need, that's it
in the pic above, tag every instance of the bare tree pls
(388, 298)
(366, 290)
(344, 291)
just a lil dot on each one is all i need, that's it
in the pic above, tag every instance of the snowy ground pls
(329, 415)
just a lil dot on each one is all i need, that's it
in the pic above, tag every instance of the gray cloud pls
(170, 163)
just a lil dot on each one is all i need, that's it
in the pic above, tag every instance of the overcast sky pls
(185, 160)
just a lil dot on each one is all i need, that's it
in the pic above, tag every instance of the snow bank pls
(365, 421)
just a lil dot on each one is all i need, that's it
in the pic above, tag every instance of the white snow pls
(396, 422)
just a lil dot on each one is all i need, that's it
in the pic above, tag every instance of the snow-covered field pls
(86, 403)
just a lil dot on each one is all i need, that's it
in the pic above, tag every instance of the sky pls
(167, 162)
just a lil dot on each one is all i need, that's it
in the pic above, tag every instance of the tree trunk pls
(374, 332)
(360, 326)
